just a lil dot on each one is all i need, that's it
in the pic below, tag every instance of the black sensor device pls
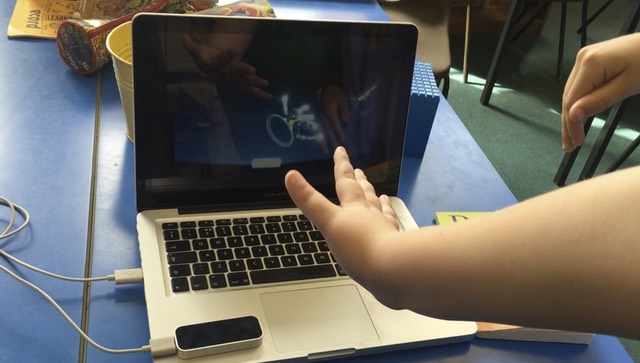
(218, 336)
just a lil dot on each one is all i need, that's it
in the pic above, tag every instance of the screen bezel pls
(198, 194)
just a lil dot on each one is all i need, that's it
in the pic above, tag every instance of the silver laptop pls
(224, 107)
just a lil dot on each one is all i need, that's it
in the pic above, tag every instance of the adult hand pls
(604, 74)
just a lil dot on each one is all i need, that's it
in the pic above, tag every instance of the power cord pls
(146, 348)
(120, 277)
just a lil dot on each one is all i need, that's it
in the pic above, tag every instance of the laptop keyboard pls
(239, 252)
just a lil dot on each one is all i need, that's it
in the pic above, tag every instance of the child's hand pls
(357, 230)
(604, 74)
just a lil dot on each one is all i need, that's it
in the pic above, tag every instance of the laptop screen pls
(225, 106)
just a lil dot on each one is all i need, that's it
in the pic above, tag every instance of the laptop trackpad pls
(317, 318)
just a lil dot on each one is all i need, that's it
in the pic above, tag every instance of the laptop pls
(224, 107)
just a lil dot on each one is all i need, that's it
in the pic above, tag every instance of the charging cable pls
(66, 316)
(120, 277)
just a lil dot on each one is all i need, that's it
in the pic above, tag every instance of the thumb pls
(311, 202)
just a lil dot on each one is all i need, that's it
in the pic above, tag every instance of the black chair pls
(514, 16)
(615, 114)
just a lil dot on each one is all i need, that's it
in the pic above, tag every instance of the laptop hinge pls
(234, 207)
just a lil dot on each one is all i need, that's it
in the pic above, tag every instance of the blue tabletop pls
(46, 142)
(46, 139)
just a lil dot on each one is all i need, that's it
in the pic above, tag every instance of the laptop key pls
(237, 265)
(259, 251)
(301, 236)
(188, 224)
(322, 258)
(238, 278)
(272, 262)
(240, 230)
(305, 259)
(206, 232)
(170, 225)
(285, 237)
(182, 257)
(200, 268)
(200, 244)
(223, 231)
(256, 229)
(199, 283)
(177, 246)
(292, 274)
(179, 284)
(207, 256)
(316, 236)
(273, 228)
(217, 281)
(251, 240)
(304, 225)
(289, 261)
(219, 266)
(235, 242)
(171, 234)
(289, 227)
(268, 239)
(189, 233)
(255, 264)
(225, 254)
(180, 270)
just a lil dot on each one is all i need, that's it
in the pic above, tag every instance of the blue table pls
(47, 118)
(47, 140)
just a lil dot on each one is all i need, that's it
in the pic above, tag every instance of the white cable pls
(8, 233)
(125, 275)
(145, 348)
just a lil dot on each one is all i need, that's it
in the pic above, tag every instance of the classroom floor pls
(520, 130)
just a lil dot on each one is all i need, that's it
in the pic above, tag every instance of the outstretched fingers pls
(349, 190)
(311, 202)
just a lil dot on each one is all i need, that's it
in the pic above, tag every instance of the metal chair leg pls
(569, 158)
(510, 22)
(603, 140)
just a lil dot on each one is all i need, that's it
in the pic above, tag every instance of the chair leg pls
(615, 114)
(538, 14)
(563, 25)
(465, 60)
(509, 23)
(569, 158)
(625, 154)
(445, 86)
(594, 16)
(584, 22)
(631, 22)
